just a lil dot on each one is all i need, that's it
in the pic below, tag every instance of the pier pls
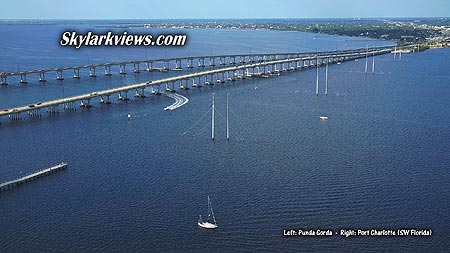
(31, 177)
(255, 69)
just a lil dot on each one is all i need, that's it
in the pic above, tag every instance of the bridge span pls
(179, 63)
(263, 69)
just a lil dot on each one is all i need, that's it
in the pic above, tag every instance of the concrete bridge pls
(261, 69)
(165, 63)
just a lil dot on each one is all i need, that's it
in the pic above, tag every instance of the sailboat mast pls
(210, 208)
(395, 52)
(326, 79)
(367, 51)
(373, 63)
(228, 117)
(212, 120)
(317, 77)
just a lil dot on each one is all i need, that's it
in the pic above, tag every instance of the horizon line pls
(354, 18)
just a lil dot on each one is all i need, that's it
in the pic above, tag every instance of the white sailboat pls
(209, 223)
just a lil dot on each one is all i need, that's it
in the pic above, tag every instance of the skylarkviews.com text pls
(71, 38)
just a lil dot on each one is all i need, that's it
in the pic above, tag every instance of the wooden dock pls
(30, 177)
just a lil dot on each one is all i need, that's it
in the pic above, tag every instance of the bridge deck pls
(26, 72)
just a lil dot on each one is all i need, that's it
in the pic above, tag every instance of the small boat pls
(210, 223)
(324, 117)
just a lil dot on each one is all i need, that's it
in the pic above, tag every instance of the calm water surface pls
(380, 161)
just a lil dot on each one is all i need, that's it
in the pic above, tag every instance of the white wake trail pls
(180, 100)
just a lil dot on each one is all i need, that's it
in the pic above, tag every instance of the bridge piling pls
(136, 69)
(23, 79)
(42, 77)
(122, 70)
(69, 106)
(178, 65)
(149, 66)
(59, 75)
(76, 73)
(3, 80)
(92, 72)
(212, 62)
(35, 113)
(190, 64)
(108, 70)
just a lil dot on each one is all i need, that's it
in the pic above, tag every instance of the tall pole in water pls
(395, 52)
(212, 120)
(228, 116)
(317, 77)
(367, 51)
(326, 79)
(373, 63)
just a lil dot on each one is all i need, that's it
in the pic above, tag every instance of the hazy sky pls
(167, 9)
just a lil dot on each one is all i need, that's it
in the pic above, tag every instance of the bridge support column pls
(201, 62)
(122, 69)
(76, 73)
(3, 80)
(59, 75)
(149, 66)
(140, 95)
(195, 84)
(15, 116)
(154, 92)
(107, 101)
(181, 85)
(166, 65)
(125, 98)
(70, 106)
(35, 113)
(108, 70)
(92, 72)
(221, 61)
(42, 77)
(178, 65)
(86, 105)
(212, 62)
(190, 64)
(23, 79)
(52, 110)
(159, 91)
(136, 68)
(233, 60)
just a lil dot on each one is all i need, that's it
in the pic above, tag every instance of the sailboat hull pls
(207, 225)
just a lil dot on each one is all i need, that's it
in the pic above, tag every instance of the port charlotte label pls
(346, 233)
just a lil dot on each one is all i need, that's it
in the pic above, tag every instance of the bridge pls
(261, 69)
(188, 62)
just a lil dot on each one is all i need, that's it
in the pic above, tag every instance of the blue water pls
(380, 161)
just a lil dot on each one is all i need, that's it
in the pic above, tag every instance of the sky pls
(233, 9)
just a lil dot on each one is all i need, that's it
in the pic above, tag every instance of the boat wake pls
(179, 101)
